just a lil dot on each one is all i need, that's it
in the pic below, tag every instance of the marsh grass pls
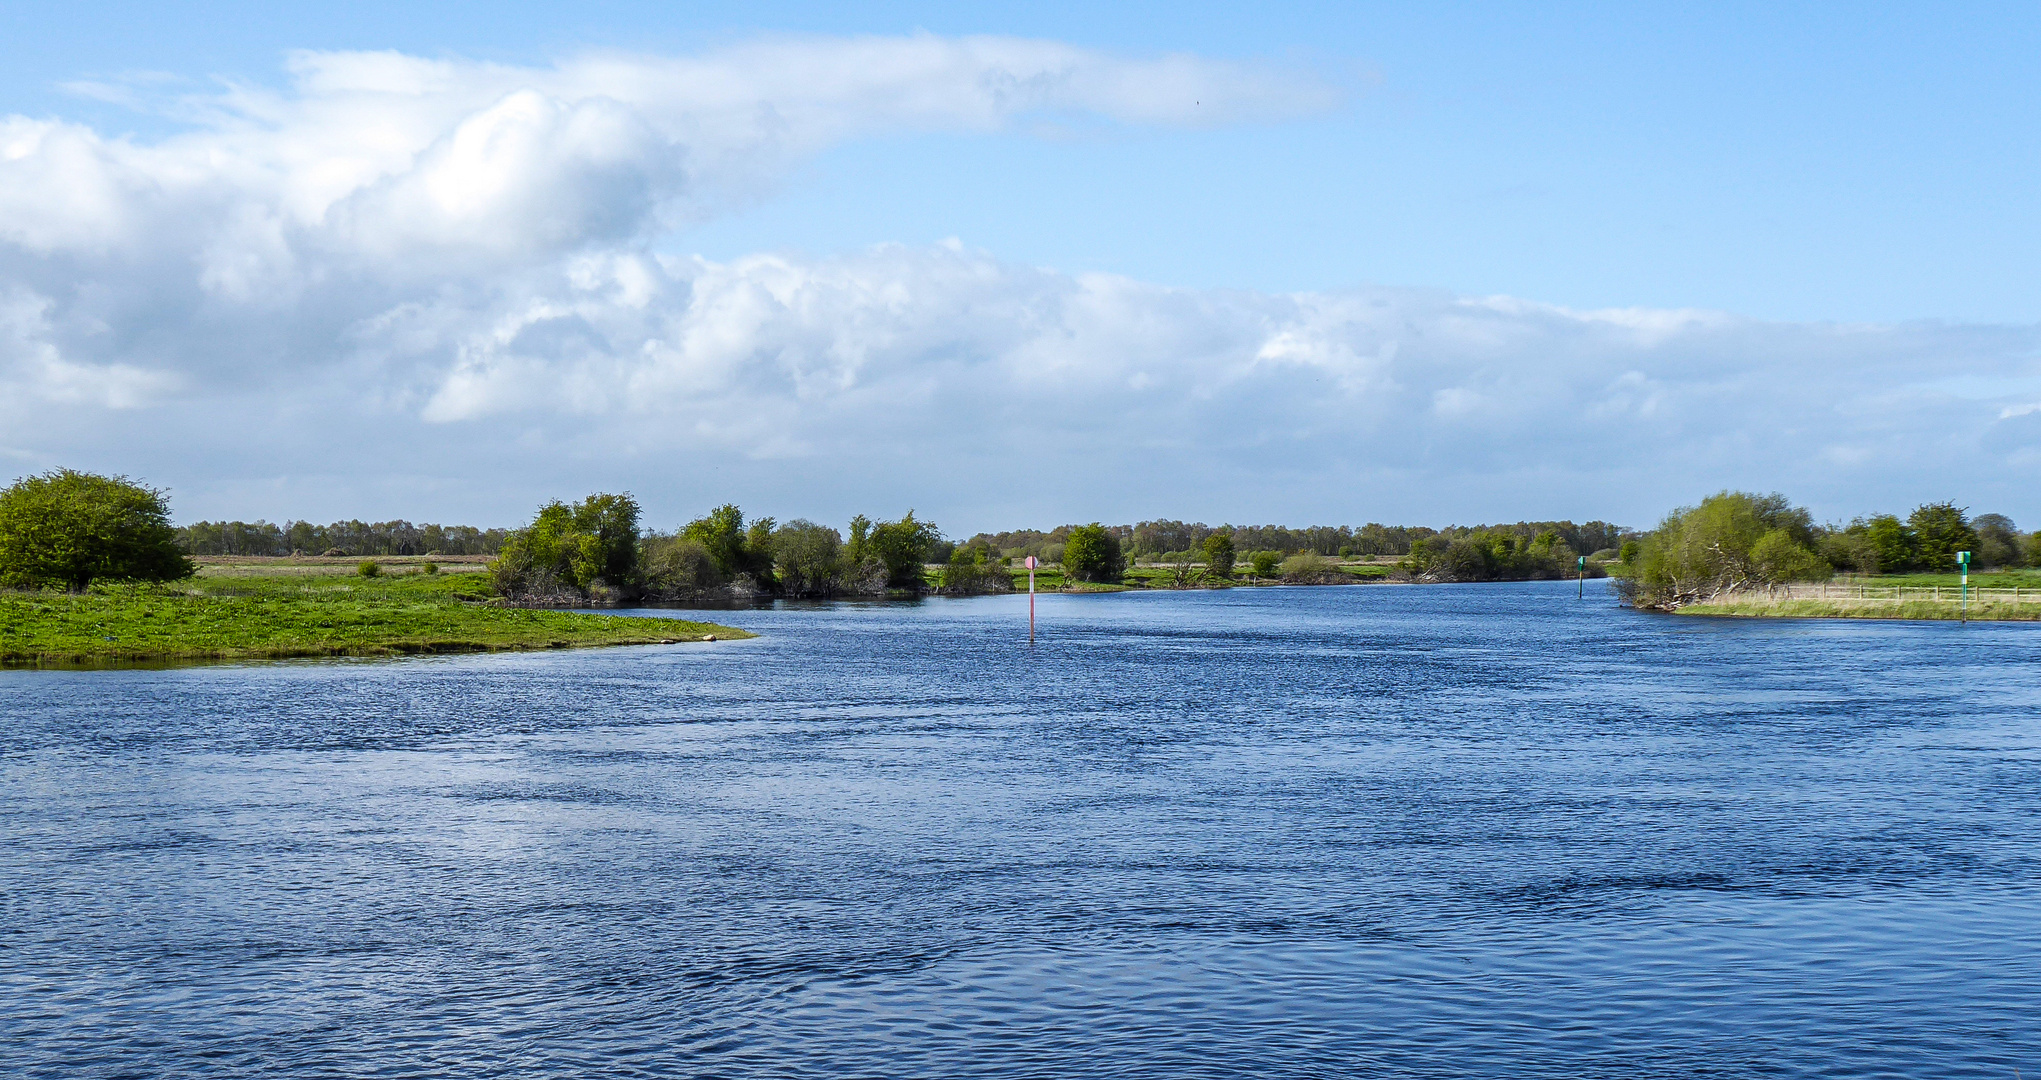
(248, 618)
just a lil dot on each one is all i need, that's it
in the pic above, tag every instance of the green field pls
(252, 617)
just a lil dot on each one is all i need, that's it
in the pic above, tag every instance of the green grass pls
(251, 618)
(1868, 609)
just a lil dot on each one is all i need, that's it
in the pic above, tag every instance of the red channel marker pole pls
(1031, 599)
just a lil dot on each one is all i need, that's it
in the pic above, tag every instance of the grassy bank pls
(274, 617)
(1869, 609)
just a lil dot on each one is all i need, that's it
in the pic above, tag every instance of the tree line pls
(1737, 540)
(353, 538)
(594, 549)
(1162, 540)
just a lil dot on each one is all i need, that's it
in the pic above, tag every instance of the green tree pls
(1998, 541)
(1264, 563)
(1092, 554)
(1894, 547)
(590, 543)
(1940, 531)
(68, 528)
(809, 558)
(1219, 554)
(902, 547)
(1732, 540)
(721, 534)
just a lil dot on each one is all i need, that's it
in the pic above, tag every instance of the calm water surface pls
(1450, 831)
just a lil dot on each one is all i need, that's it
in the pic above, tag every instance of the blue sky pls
(1851, 195)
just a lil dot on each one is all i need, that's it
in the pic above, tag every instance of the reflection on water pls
(1439, 831)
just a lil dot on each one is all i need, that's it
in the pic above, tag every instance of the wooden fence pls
(1891, 594)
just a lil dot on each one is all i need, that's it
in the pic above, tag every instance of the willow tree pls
(1732, 540)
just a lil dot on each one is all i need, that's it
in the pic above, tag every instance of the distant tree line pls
(355, 538)
(1737, 540)
(1161, 540)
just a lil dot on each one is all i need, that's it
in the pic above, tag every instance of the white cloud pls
(429, 287)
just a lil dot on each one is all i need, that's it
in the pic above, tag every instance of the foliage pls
(1093, 554)
(1263, 563)
(1998, 541)
(368, 568)
(972, 568)
(1311, 568)
(902, 547)
(676, 566)
(1499, 554)
(1732, 540)
(347, 537)
(68, 528)
(590, 545)
(809, 558)
(1940, 531)
(1219, 554)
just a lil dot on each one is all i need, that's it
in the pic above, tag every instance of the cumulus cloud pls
(432, 287)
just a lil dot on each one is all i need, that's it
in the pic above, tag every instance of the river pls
(1444, 831)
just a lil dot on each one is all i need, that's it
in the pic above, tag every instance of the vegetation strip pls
(279, 618)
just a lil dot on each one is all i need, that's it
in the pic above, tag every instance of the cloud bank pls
(445, 289)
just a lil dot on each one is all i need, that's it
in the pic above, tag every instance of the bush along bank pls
(1736, 553)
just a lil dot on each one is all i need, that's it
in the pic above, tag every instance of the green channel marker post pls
(1963, 563)
(1580, 588)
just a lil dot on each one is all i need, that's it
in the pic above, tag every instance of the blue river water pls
(1440, 831)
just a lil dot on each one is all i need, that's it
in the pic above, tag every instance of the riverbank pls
(272, 618)
(1946, 610)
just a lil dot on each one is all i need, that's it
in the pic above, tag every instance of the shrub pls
(1311, 568)
(1092, 554)
(677, 566)
(1264, 563)
(368, 568)
(1219, 554)
(68, 528)
(429, 568)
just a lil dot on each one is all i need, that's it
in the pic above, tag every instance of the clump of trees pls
(588, 549)
(1496, 554)
(594, 550)
(1736, 540)
(67, 529)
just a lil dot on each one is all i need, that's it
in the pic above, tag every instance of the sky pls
(1021, 265)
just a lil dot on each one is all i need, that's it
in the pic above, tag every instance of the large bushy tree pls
(1940, 531)
(68, 529)
(1732, 540)
(1092, 554)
